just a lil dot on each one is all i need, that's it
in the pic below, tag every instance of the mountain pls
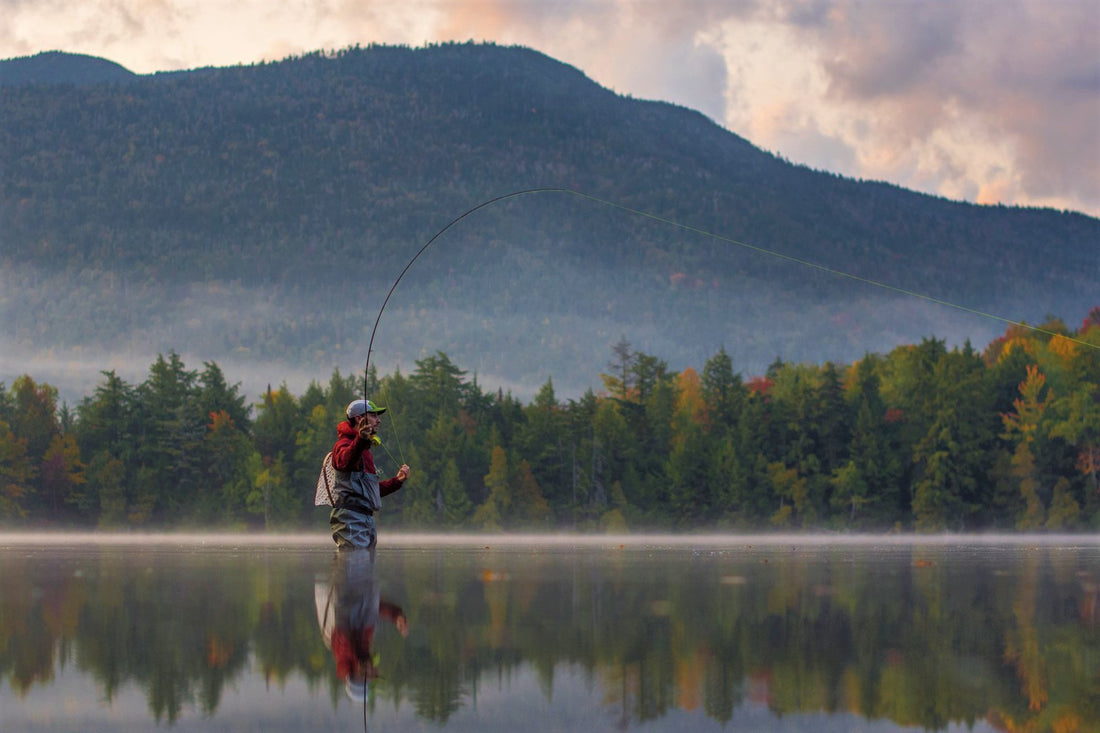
(56, 67)
(258, 216)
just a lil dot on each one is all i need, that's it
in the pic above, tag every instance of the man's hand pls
(403, 472)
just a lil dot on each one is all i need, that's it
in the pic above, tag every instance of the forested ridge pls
(923, 438)
(260, 212)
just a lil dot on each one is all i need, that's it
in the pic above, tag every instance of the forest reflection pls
(917, 635)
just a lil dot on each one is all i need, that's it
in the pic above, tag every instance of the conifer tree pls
(494, 510)
(456, 505)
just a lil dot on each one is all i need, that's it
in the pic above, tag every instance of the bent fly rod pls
(437, 235)
(702, 232)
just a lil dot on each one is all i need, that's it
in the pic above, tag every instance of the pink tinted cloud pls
(1026, 73)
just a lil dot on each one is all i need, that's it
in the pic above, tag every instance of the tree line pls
(923, 437)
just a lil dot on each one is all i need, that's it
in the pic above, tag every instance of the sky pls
(988, 101)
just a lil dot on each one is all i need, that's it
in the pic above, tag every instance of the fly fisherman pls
(357, 493)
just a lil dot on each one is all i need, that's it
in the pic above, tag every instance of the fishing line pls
(383, 393)
(396, 439)
(711, 235)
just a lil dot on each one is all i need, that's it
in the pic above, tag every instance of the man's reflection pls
(349, 608)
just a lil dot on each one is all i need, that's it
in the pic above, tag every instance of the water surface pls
(797, 633)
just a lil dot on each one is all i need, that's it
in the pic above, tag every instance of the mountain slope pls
(261, 213)
(56, 67)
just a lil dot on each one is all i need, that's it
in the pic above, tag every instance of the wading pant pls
(352, 529)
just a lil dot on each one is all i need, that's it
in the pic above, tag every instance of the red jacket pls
(352, 453)
(352, 647)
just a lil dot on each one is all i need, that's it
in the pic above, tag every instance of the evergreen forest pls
(923, 438)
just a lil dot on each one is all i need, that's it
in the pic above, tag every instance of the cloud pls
(873, 51)
(966, 99)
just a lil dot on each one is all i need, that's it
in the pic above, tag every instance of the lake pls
(495, 633)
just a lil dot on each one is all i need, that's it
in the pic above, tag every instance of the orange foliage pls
(760, 385)
(1023, 343)
(219, 420)
(1015, 337)
(1067, 723)
(218, 653)
(690, 671)
(1088, 461)
(1064, 348)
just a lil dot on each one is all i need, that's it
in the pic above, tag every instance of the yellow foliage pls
(690, 671)
(1016, 341)
(1067, 723)
(1063, 348)
(613, 522)
(1029, 408)
(689, 396)
(782, 518)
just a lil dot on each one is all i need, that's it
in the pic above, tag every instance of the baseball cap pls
(362, 407)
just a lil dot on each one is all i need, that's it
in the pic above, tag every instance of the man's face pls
(370, 419)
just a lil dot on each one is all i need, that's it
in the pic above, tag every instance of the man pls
(357, 492)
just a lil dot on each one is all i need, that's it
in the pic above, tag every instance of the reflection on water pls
(715, 633)
(349, 608)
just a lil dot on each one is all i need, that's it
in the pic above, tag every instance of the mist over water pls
(322, 540)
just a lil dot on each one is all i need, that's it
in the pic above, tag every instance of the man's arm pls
(347, 453)
(391, 485)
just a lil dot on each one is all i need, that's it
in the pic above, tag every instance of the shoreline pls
(321, 540)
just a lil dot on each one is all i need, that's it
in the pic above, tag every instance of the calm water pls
(664, 634)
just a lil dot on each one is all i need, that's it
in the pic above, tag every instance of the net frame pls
(325, 481)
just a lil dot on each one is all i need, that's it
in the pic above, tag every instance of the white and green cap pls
(362, 407)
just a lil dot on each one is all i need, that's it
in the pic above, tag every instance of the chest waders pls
(357, 497)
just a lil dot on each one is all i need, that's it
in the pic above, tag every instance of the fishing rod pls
(437, 235)
(705, 233)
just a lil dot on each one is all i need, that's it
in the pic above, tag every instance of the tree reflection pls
(917, 636)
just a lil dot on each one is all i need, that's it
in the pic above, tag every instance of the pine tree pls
(456, 504)
(723, 393)
(619, 381)
(529, 507)
(493, 511)
(867, 487)
(542, 440)
(937, 495)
